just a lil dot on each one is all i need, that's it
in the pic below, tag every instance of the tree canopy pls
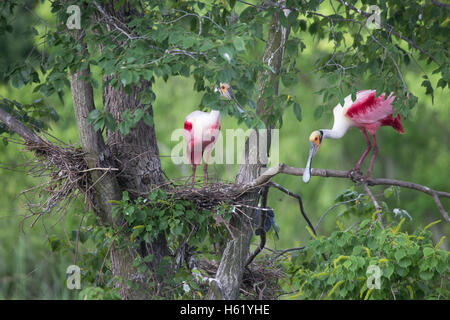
(123, 74)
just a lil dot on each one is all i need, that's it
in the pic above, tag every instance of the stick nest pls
(67, 175)
(209, 196)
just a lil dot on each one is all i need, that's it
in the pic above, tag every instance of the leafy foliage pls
(411, 265)
(222, 41)
(215, 42)
(182, 224)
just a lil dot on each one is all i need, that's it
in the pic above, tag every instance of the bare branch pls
(300, 203)
(334, 206)
(375, 202)
(283, 168)
(440, 4)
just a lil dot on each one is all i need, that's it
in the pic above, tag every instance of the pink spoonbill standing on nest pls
(201, 130)
(365, 113)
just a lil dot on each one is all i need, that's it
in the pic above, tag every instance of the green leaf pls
(124, 128)
(399, 254)
(99, 124)
(297, 111)
(429, 88)
(226, 53)
(239, 44)
(441, 83)
(283, 19)
(289, 79)
(292, 17)
(138, 115)
(388, 271)
(318, 112)
(388, 192)
(93, 116)
(110, 122)
(405, 262)
(426, 275)
(427, 252)
(148, 119)
(126, 77)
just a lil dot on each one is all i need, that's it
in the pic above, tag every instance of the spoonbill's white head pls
(225, 91)
(315, 140)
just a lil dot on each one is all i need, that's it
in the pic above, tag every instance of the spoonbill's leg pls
(364, 155)
(205, 166)
(374, 155)
(194, 166)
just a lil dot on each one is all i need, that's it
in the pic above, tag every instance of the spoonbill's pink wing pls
(370, 112)
(367, 109)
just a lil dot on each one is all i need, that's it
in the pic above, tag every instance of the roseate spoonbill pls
(225, 91)
(201, 130)
(365, 113)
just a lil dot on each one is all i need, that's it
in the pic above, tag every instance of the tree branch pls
(300, 203)
(375, 202)
(283, 168)
(390, 29)
(440, 4)
(18, 127)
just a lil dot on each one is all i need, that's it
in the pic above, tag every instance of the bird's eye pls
(223, 87)
(316, 138)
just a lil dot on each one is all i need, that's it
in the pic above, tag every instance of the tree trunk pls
(138, 157)
(231, 269)
(107, 185)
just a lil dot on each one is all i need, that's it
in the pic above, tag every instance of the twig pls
(286, 251)
(375, 202)
(440, 4)
(186, 14)
(334, 206)
(99, 169)
(77, 240)
(261, 229)
(111, 21)
(300, 203)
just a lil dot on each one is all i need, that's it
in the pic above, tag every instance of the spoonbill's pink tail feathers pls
(394, 123)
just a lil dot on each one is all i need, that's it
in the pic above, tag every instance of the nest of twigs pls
(66, 175)
(209, 196)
